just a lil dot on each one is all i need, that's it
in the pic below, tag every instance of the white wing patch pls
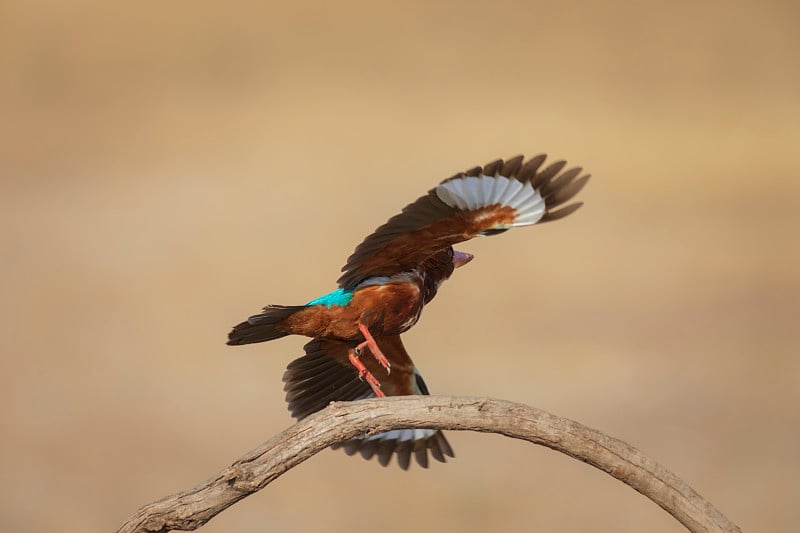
(473, 192)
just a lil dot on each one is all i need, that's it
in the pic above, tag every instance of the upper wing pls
(324, 375)
(481, 201)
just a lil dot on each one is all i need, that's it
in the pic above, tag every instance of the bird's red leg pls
(373, 347)
(363, 373)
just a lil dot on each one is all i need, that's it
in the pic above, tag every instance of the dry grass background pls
(168, 169)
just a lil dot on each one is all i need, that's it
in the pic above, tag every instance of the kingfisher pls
(356, 351)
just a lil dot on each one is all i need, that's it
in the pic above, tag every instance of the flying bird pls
(356, 351)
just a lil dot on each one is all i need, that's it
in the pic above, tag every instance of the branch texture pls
(190, 509)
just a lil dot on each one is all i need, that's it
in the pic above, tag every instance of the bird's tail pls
(265, 326)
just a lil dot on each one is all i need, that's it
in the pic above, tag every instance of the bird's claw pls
(369, 340)
(364, 374)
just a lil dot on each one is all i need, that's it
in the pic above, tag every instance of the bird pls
(356, 351)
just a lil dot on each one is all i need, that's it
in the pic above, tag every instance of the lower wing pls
(324, 375)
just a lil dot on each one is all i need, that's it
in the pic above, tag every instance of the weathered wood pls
(190, 509)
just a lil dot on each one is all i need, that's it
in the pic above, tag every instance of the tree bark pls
(190, 509)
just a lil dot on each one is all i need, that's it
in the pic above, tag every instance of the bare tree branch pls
(190, 509)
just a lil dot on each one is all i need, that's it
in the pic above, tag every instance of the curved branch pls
(340, 421)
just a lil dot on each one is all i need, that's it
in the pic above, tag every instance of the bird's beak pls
(461, 258)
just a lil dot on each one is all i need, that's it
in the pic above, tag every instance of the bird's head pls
(439, 267)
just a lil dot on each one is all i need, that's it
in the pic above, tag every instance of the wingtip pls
(561, 213)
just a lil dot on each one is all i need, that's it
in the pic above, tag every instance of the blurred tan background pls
(169, 169)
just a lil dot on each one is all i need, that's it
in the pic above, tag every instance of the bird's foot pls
(363, 373)
(373, 347)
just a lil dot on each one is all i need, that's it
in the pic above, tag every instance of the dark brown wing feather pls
(318, 378)
(323, 375)
(429, 224)
(391, 241)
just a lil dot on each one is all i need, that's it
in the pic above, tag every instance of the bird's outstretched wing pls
(481, 201)
(324, 375)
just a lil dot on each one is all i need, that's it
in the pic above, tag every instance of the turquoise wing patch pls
(340, 297)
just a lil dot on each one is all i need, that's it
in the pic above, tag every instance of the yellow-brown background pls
(169, 168)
